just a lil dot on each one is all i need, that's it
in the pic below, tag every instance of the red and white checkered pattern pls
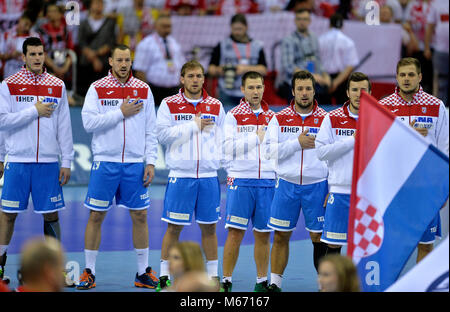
(244, 109)
(369, 230)
(24, 76)
(339, 112)
(111, 82)
(179, 98)
(290, 111)
(420, 98)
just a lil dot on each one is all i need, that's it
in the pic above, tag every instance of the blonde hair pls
(39, 252)
(192, 256)
(348, 279)
(193, 64)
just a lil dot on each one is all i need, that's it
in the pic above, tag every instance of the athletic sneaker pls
(273, 288)
(261, 287)
(226, 286)
(87, 280)
(3, 277)
(164, 282)
(146, 280)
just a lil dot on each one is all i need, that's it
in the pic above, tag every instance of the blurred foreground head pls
(42, 265)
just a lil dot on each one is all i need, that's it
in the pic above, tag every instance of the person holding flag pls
(335, 142)
(428, 116)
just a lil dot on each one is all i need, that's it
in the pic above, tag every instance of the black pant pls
(159, 93)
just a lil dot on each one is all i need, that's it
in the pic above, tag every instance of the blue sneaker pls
(146, 280)
(87, 280)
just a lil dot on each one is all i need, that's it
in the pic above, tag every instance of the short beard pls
(304, 106)
(409, 92)
(118, 74)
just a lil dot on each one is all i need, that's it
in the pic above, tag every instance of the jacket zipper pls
(37, 96)
(123, 121)
(301, 162)
(259, 150)
(196, 135)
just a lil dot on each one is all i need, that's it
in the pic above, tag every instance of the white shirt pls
(337, 51)
(150, 58)
(438, 15)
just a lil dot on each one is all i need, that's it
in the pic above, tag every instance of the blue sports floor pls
(116, 262)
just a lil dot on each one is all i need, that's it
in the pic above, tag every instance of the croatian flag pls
(400, 182)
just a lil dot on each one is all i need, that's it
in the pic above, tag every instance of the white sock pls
(142, 260)
(212, 267)
(261, 279)
(276, 279)
(90, 257)
(164, 270)
(226, 279)
(3, 249)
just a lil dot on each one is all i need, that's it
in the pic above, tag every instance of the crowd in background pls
(104, 23)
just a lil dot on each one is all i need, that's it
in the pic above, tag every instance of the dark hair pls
(409, 61)
(52, 3)
(191, 65)
(31, 41)
(302, 10)
(239, 18)
(122, 47)
(358, 76)
(302, 75)
(251, 75)
(337, 20)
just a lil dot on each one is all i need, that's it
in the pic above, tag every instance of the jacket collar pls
(315, 107)
(245, 104)
(416, 97)
(204, 94)
(32, 76)
(117, 81)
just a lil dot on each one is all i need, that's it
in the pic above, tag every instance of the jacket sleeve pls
(167, 133)
(273, 148)
(8, 119)
(151, 140)
(327, 148)
(2, 146)
(64, 135)
(442, 128)
(93, 120)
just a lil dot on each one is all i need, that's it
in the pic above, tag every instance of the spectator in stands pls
(11, 45)
(135, 23)
(361, 10)
(404, 6)
(337, 274)
(96, 37)
(409, 41)
(272, 6)
(300, 51)
(339, 58)
(57, 40)
(158, 60)
(415, 24)
(295, 5)
(437, 28)
(326, 8)
(232, 7)
(42, 262)
(233, 57)
(186, 7)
